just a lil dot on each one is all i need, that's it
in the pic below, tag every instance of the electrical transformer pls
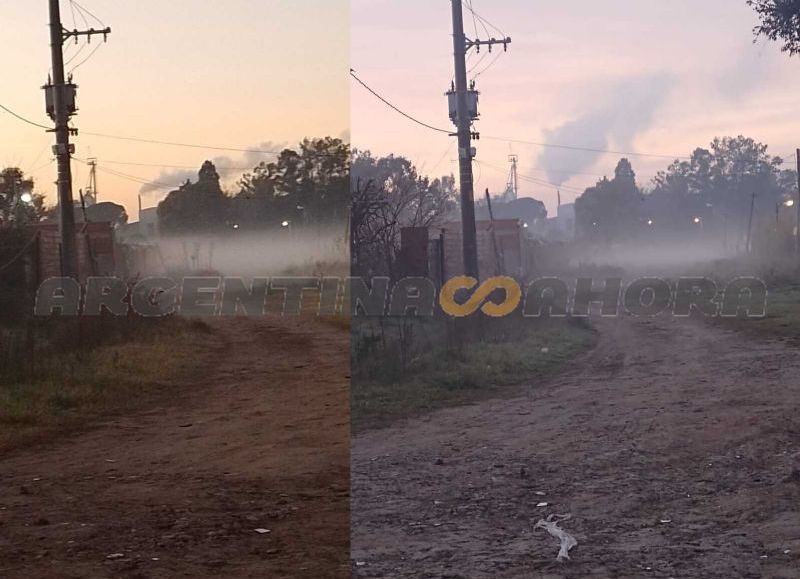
(69, 92)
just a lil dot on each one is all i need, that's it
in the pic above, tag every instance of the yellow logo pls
(447, 297)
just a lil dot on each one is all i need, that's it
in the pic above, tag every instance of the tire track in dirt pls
(666, 420)
(261, 442)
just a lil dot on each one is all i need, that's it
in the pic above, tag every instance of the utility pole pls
(60, 99)
(464, 110)
(748, 245)
(512, 186)
(499, 266)
(91, 188)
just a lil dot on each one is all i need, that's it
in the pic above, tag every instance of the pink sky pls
(641, 76)
(238, 74)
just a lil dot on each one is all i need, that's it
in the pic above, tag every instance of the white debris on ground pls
(567, 540)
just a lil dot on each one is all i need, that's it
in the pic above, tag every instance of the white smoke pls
(230, 169)
(625, 112)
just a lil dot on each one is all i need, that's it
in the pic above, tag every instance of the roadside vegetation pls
(782, 278)
(783, 315)
(405, 367)
(58, 374)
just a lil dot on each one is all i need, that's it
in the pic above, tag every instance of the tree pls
(717, 185)
(20, 205)
(780, 20)
(195, 207)
(388, 195)
(308, 186)
(610, 211)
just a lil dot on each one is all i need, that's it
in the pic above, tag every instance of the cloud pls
(230, 169)
(626, 111)
(752, 70)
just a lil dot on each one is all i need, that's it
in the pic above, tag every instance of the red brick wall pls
(99, 235)
(509, 241)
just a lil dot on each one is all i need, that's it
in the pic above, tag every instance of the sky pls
(639, 76)
(241, 74)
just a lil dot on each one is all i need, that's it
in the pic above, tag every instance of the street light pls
(697, 221)
(789, 203)
(26, 198)
(649, 221)
(285, 224)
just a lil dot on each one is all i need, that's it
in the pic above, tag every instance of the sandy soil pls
(675, 446)
(261, 443)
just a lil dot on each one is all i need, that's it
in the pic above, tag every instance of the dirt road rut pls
(262, 442)
(675, 446)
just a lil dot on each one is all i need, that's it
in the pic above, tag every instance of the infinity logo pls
(447, 297)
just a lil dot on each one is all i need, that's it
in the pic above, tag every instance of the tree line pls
(719, 191)
(309, 185)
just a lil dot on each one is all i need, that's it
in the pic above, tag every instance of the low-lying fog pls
(250, 254)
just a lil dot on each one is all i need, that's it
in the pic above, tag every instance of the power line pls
(475, 21)
(134, 178)
(82, 12)
(442, 158)
(154, 141)
(23, 119)
(531, 179)
(163, 166)
(21, 252)
(76, 54)
(520, 141)
(490, 65)
(73, 5)
(478, 62)
(483, 20)
(176, 144)
(86, 11)
(390, 105)
(584, 149)
(85, 60)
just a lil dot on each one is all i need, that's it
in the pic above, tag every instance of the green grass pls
(117, 364)
(783, 316)
(401, 372)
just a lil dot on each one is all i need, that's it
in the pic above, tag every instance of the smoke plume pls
(625, 112)
(230, 169)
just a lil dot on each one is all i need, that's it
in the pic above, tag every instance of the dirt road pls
(262, 442)
(675, 446)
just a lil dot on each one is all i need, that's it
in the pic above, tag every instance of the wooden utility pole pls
(499, 266)
(465, 113)
(747, 247)
(60, 93)
(469, 234)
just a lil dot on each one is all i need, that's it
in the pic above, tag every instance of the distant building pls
(438, 251)
(561, 227)
(144, 230)
(529, 211)
(96, 250)
(148, 222)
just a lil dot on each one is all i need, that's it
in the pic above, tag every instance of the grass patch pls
(782, 320)
(60, 373)
(404, 368)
